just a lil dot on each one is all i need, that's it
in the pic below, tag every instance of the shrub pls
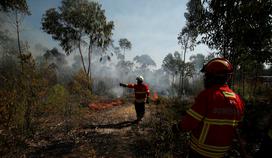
(81, 86)
(165, 143)
(57, 98)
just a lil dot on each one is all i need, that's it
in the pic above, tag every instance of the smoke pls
(40, 48)
(108, 70)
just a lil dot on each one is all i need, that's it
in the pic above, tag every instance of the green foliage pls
(124, 44)
(20, 96)
(186, 39)
(80, 86)
(145, 61)
(168, 65)
(175, 66)
(57, 98)
(11, 5)
(77, 24)
(164, 142)
(233, 27)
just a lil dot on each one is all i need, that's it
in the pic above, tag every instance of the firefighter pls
(141, 97)
(213, 119)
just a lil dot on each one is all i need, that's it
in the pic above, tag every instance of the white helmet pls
(140, 78)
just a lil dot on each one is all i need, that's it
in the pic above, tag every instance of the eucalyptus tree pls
(124, 44)
(145, 62)
(238, 30)
(11, 5)
(168, 65)
(174, 65)
(15, 11)
(118, 53)
(197, 60)
(233, 27)
(77, 25)
(186, 39)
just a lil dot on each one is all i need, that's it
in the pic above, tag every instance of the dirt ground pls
(106, 133)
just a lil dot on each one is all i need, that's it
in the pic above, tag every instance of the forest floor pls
(112, 132)
(106, 133)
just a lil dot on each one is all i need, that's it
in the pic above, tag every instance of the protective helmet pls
(218, 67)
(140, 78)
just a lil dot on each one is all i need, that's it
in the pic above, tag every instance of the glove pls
(123, 85)
(147, 100)
(175, 129)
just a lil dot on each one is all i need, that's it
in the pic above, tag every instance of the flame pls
(155, 97)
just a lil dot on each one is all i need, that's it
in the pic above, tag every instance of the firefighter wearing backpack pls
(214, 117)
(141, 96)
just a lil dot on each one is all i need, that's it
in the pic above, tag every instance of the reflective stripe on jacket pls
(141, 92)
(212, 120)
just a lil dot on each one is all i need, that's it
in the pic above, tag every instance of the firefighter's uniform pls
(212, 120)
(141, 93)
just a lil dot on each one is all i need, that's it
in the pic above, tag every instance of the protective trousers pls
(140, 110)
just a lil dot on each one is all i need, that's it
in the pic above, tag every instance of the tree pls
(8, 45)
(124, 44)
(174, 65)
(118, 53)
(78, 24)
(198, 61)
(54, 56)
(145, 61)
(233, 27)
(209, 57)
(12, 5)
(18, 21)
(16, 10)
(186, 39)
(125, 66)
(168, 65)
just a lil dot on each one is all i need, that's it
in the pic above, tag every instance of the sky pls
(152, 26)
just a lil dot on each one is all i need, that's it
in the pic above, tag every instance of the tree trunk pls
(89, 65)
(18, 33)
(18, 38)
(180, 84)
(89, 59)
(81, 56)
(124, 54)
(173, 80)
(184, 55)
(255, 80)
(232, 59)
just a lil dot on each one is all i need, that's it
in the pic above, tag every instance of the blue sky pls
(152, 26)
